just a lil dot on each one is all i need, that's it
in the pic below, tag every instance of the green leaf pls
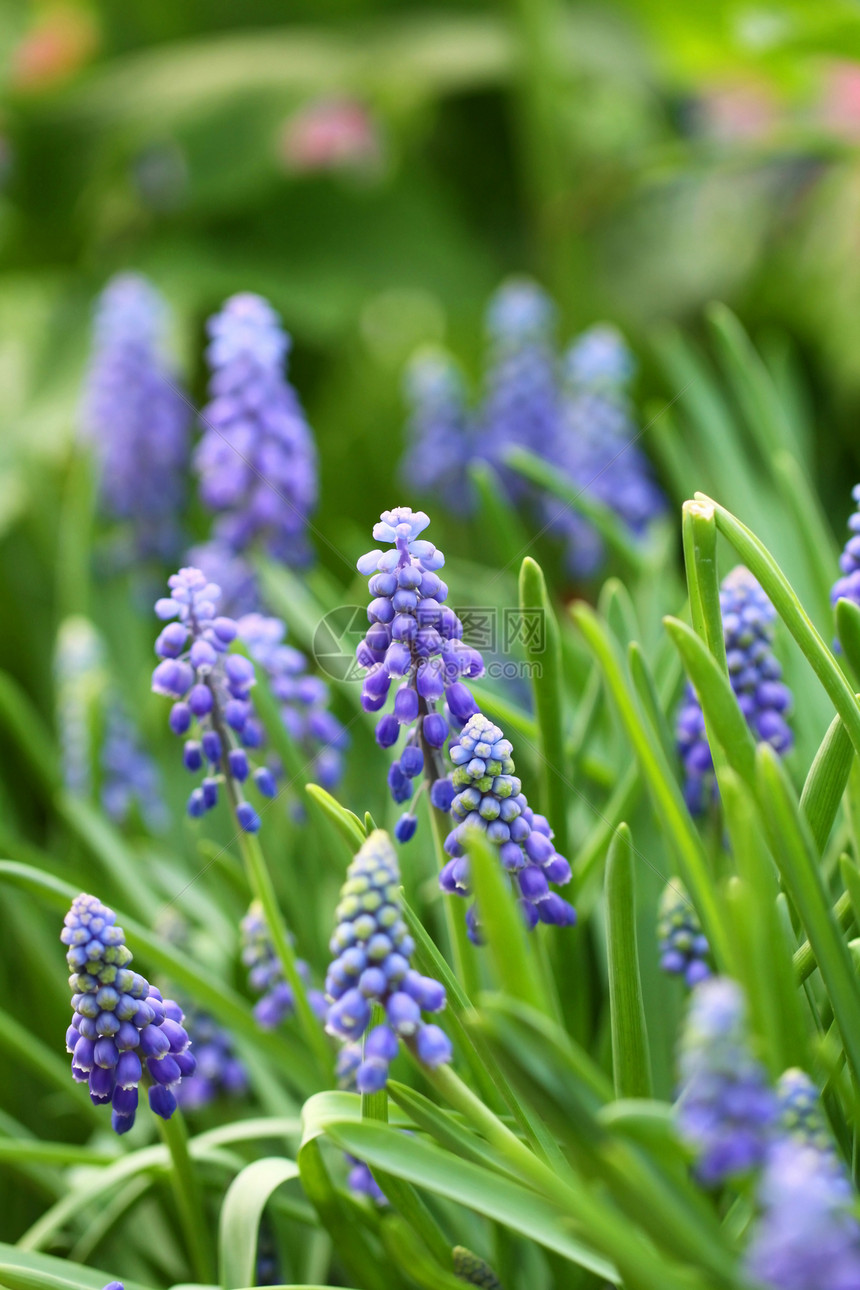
(826, 782)
(29, 1270)
(717, 698)
(496, 520)
(548, 689)
(507, 945)
(348, 824)
(241, 1211)
(646, 689)
(795, 854)
(431, 1169)
(614, 531)
(631, 1059)
(661, 782)
(763, 952)
(22, 1047)
(30, 735)
(848, 631)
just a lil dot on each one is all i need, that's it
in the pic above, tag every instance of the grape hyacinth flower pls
(684, 949)
(756, 678)
(808, 1236)
(522, 400)
(372, 949)
(726, 1111)
(595, 449)
(122, 1031)
(256, 460)
(414, 639)
(439, 433)
(599, 359)
(210, 690)
(489, 797)
(219, 1071)
(136, 416)
(801, 1114)
(266, 974)
(303, 697)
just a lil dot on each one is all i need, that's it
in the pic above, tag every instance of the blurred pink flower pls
(62, 39)
(839, 109)
(743, 111)
(330, 134)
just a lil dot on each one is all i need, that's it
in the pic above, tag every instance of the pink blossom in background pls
(738, 112)
(839, 109)
(330, 134)
(59, 43)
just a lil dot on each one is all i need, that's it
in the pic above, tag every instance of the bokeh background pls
(376, 168)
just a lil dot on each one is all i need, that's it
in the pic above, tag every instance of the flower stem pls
(462, 950)
(189, 1200)
(261, 884)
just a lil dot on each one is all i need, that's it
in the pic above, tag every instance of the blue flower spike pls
(211, 692)
(726, 1110)
(257, 460)
(266, 974)
(488, 796)
(372, 949)
(137, 417)
(684, 949)
(122, 1033)
(756, 678)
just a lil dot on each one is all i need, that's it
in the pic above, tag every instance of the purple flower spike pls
(755, 675)
(415, 641)
(726, 1111)
(137, 417)
(265, 973)
(256, 460)
(808, 1236)
(214, 691)
(684, 949)
(372, 948)
(120, 1022)
(489, 797)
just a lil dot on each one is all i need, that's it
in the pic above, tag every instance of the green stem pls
(189, 1199)
(261, 884)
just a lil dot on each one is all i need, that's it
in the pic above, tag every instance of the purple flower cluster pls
(136, 416)
(210, 689)
(120, 1022)
(256, 460)
(522, 398)
(756, 678)
(415, 640)
(594, 447)
(808, 1236)
(372, 948)
(266, 975)
(684, 949)
(219, 1071)
(726, 1110)
(571, 411)
(439, 433)
(303, 697)
(488, 796)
